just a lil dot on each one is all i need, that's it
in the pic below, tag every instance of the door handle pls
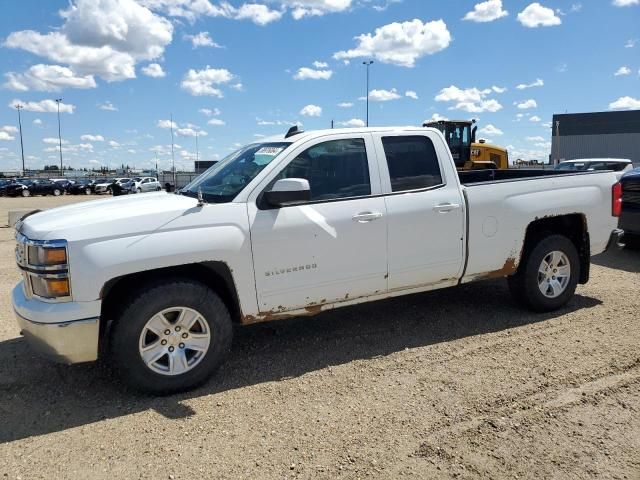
(364, 217)
(446, 207)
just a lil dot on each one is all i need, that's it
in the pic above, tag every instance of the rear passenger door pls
(425, 210)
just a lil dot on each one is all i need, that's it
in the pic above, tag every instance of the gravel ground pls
(455, 383)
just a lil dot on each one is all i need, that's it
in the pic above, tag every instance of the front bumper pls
(66, 341)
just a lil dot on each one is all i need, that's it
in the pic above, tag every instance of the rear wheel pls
(139, 190)
(87, 191)
(172, 337)
(548, 275)
(26, 192)
(56, 192)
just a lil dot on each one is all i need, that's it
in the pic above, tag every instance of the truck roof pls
(327, 131)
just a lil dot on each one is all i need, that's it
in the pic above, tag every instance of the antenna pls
(293, 131)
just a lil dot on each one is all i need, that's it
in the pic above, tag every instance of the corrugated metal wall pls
(619, 145)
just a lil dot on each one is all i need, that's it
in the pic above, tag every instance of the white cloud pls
(400, 43)
(307, 8)
(237, 86)
(92, 138)
(625, 3)
(193, 9)
(305, 73)
(631, 43)
(311, 111)
(471, 100)
(201, 39)
(625, 103)
(216, 122)
(54, 141)
(190, 131)
(9, 129)
(345, 104)
(499, 89)
(114, 144)
(411, 94)
(436, 117)
(210, 112)
(535, 139)
(622, 71)
(47, 78)
(100, 37)
(44, 106)
(536, 15)
(382, 95)
(166, 124)
(153, 70)
(6, 137)
(201, 82)
(353, 123)
(486, 11)
(108, 106)
(537, 83)
(318, 64)
(491, 130)
(526, 104)
(534, 118)
(37, 121)
(6, 132)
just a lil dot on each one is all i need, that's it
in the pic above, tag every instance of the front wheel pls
(56, 192)
(139, 190)
(172, 337)
(548, 275)
(87, 191)
(26, 193)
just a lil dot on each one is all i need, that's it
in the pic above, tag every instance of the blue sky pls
(235, 71)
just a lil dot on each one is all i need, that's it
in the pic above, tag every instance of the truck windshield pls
(227, 178)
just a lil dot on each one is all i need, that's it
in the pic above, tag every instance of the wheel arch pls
(573, 226)
(216, 275)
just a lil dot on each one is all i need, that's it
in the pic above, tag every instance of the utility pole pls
(197, 153)
(368, 64)
(58, 100)
(173, 159)
(20, 107)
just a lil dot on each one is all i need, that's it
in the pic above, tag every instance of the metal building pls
(596, 135)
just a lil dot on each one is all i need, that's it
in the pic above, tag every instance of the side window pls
(616, 166)
(334, 169)
(412, 162)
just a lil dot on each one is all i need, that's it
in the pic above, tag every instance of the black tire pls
(87, 191)
(56, 192)
(154, 298)
(139, 190)
(524, 284)
(26, 192)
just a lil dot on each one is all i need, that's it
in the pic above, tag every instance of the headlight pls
(50, 287)
(47, 256)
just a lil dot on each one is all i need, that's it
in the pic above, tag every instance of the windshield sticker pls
(269, 151)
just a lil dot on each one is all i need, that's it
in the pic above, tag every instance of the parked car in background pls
(146, 184)
(42, 186)
(4, 183)
(128, 186)
(630, 216)
(15, 188)
(591, 164)
(81, 187)
(64, 183)
(105, 187)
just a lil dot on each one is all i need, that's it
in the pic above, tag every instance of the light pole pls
(173, 160)
(20, 107)
(368, 64)
(58, 100)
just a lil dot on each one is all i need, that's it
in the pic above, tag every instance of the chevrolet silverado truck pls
(293, 226)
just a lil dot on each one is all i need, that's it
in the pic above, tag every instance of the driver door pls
(332, 248)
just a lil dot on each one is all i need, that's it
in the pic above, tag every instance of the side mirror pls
(288, 191)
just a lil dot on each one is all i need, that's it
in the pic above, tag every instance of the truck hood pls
(119, 216)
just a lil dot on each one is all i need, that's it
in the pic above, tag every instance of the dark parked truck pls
(630, 216)
(293, 226)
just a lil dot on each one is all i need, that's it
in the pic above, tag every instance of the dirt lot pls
(456, 383)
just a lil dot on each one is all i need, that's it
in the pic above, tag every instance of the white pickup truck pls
(289, 227)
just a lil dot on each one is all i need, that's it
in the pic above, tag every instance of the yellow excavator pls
(467, 153)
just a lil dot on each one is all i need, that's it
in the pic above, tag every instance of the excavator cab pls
(459, 135)
(467, 153)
